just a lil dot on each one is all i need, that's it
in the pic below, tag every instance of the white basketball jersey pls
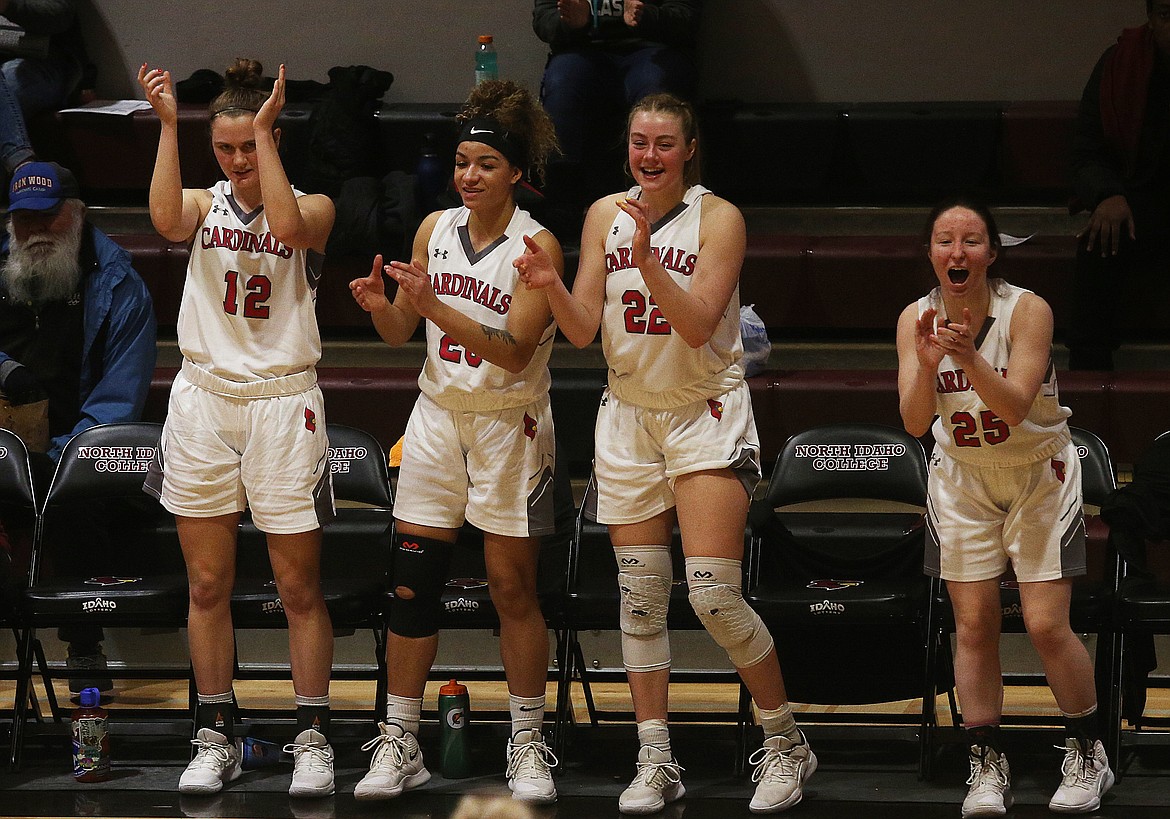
(649, 364)
(479, 285)
(965, 427)
(249, 302)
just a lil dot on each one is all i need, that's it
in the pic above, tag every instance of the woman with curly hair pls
(479, 442)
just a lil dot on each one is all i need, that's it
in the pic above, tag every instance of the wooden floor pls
(492, 697)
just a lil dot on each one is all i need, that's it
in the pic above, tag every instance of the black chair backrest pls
(359, 467)
(105, 462)
(1097, 475)
(855, 461)
(16, 486)
(96, 507)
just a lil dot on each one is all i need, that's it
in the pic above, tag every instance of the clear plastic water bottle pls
(454, 708)
(486, 66)
(91, 739)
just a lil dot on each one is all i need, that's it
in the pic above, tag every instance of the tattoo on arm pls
(495, 332)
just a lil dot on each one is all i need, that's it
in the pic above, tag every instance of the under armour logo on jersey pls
(310, 420)
(935, 460)
(716, 409)
(219, 209)
(615, 230)
(437, 253)
(1058, 469)
(529, 426)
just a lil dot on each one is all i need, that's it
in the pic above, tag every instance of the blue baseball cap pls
(41, 186)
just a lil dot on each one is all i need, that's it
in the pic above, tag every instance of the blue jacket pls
(115, 298)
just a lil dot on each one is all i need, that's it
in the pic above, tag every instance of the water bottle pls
(486, 67)
(454, 709)
(430, 179)
(91, 739)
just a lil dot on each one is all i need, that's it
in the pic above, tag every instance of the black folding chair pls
(1091, 609)
(18, 511)
(467, 602)
(593, 603)
(131, 573)
(1138, 515)
(354, 560)
(836, 573)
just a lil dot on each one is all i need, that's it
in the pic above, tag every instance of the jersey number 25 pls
(967, 429)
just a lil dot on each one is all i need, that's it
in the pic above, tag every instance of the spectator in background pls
(1121, 172)
(77, 327)
(605, 55)
(41, 75)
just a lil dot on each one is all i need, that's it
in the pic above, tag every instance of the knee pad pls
(644, 577)
(716, 594)
(419, 564)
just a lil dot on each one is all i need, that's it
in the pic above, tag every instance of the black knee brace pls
(420, 565)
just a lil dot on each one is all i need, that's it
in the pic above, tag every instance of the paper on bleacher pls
(115, 107)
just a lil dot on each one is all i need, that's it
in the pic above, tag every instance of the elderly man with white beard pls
(77, 327)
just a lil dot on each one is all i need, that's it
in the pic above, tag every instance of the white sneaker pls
(312, 764)
(397, 765)
(657, 783)
(990, 793)
(529, 771)
(1086, 777)
(216, 761)
(782, 768)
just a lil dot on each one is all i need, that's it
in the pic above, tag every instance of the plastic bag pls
(756, 346)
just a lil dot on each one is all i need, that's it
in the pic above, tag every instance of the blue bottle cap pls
(90, 697)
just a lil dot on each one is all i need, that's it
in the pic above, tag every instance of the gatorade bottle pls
(454, 708)
(486, 67)
(91, 739)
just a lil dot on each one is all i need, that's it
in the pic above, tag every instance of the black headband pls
(494, 135)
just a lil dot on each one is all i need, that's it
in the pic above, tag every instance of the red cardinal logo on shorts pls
(1058, 468)
(310, 420)
(530, 426)
(716, 409)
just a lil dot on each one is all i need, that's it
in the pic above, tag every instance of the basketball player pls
(479, 443)
(246, 423)
(975, 366)
(676, 439)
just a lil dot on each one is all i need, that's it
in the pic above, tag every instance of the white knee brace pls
(644, 577)
(716, 594)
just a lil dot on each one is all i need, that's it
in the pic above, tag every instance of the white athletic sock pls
(779, 721)
(527, 713)
(405, 712)
(653, 732)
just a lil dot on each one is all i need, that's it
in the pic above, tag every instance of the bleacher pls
(834, 195)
